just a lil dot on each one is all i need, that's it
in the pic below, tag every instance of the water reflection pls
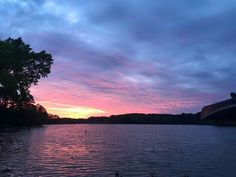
(133, 150)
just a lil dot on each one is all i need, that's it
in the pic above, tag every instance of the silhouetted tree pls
(20, 67)
(233, 95)
(40, 108)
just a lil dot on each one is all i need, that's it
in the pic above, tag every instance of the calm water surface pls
(134, 150)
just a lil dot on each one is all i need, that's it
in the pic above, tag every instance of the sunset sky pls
(126, 56)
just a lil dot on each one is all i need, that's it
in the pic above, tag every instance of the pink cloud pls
(120, 98)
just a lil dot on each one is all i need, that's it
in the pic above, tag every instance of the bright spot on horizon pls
(71, 111)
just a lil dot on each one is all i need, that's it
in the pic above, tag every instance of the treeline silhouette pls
(148, 119)
(136, 119)
(29, 116)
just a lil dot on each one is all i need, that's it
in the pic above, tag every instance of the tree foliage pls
(20, 68)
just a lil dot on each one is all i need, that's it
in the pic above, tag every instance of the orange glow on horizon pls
(71, 111)
(75, 101)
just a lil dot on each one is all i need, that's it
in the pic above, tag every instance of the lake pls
(133, 150)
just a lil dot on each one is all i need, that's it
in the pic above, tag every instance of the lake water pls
(134, 150)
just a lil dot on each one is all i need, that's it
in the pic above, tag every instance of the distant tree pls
(20, 67)
(40, 108)
(53, 116)
(233, 95)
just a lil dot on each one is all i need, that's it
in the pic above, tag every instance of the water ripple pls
(134, 150)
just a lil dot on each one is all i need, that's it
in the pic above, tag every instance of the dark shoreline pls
(136, 119)
(34, 118)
